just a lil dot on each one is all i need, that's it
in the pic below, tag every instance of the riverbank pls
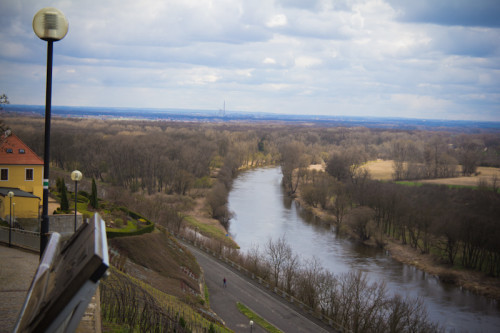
(473, 281)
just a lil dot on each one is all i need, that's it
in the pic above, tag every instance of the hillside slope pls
(153, 272)
(157, 259)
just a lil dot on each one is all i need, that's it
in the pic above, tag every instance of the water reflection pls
(263, 212)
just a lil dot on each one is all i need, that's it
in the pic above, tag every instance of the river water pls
(262, 211)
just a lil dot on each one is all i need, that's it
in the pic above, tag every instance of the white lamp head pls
(76, 176)
(50, 24)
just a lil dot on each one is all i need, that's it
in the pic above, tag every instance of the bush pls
(203, 182)
(83, 193)
(119, 222)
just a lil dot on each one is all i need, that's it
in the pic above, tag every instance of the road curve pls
(240, 289)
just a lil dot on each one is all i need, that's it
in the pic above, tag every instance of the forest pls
(186, 160)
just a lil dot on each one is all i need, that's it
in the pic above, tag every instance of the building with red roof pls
(21, 172)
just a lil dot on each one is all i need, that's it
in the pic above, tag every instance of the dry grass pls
(484, 174)
(317, 167)
(157, 259)
(382, 170)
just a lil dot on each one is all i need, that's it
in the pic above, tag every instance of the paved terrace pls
(17, 269)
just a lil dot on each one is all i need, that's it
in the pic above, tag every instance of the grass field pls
(382, 170)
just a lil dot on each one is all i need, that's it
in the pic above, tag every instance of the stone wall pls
(64, 223)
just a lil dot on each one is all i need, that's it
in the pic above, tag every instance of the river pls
(262, 211)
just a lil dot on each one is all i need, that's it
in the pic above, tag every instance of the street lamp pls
(76, 176)
(50, 25)
(251, 325)
(10, 195)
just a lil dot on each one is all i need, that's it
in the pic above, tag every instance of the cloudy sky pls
(405, 58)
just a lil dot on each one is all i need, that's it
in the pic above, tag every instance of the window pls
(9, 150)
(4, 174)
(21, 151)
(29, 174)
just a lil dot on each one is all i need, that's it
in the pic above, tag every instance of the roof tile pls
(11, 152)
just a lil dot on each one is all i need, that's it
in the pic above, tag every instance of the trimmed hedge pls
(145, 230)
(132, 214)
(119, 233)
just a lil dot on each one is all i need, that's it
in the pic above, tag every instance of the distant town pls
(228, 116)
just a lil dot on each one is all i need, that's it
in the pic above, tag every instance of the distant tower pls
(222, 112)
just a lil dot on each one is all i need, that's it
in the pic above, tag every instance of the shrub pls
(119, 222)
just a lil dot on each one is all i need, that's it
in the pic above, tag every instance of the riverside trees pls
(462, 225)
(349, 299)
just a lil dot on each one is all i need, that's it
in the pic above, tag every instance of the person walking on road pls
(224, 282)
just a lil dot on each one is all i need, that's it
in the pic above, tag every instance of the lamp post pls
(251, 325)
(76, 176)
(10, 195)
(50, 25)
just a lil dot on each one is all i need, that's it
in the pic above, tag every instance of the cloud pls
(278, 20)
(480, 13)
(269, 61)
(306, 62)
(362, 57)
(459, 40)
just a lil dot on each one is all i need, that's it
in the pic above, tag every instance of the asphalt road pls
(240, 289)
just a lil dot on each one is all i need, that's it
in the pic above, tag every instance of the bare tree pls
(308, 280)
(439, 163)
(408, 315)
(278, 253)
(469, 155)
(3, 100)
(290, 269)
(341, 203)
(293, 164)
(361, 222)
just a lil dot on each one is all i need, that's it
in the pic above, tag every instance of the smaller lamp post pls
(76, 176)
(251, 325)
(10, 195)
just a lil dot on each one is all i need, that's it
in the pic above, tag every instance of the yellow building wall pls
(26, 207)
(23, 208)
(17, 178)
